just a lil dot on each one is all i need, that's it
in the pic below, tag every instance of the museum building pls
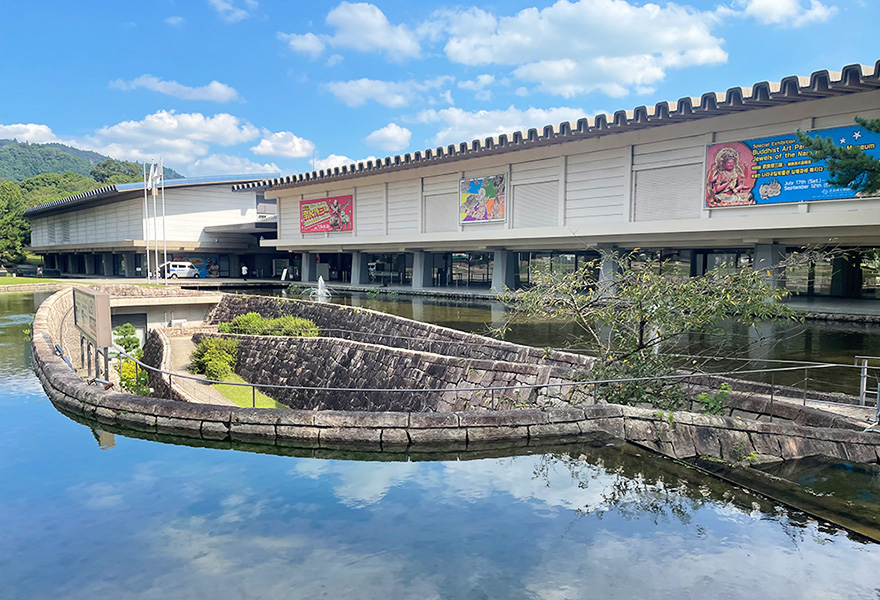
(700, 182)
(107, 232)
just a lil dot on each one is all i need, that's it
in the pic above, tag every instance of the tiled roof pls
(821, 84)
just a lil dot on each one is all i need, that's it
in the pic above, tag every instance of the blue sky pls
(244, 86)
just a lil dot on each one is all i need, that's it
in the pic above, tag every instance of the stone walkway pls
(200, 391)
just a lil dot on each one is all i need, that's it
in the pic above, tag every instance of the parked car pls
(175, 269)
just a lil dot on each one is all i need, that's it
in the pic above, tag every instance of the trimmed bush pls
(255, 324)
(214, 357)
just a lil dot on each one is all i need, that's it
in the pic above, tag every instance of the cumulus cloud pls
(393, 94)
(28, 132)
(225, 164)
(337, 160)
(212, 92)
(174, 21)
(283, 143)
(479, 86)
(457, 125)
(787, 13)
(360, 26)
(391, 138)
(230, 12)
(572, 48)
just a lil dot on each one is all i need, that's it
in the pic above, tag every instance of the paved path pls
(200, 391)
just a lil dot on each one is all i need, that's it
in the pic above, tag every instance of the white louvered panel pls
(441, 212)
(404, 199)
(669, 193)
(535, 171)
(536, 204)
(442, 184)
(369, 207)
(595, 189)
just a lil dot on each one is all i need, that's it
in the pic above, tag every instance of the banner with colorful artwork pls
(326, 214)
(777, 169)
(482, 199)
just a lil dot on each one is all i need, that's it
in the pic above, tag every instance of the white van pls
(177, 269)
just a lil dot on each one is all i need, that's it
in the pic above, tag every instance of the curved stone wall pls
(679, 435)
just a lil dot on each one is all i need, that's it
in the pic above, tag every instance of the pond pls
(90, 514)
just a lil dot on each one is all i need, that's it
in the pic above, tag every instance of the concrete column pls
(422, 270)
(503, 270)
(90, 264)
(309, 267)
(767, 257)
(846, 275)
(128, 263)
(608, 268)
(107, 264)
(360, 274)
(235, 266)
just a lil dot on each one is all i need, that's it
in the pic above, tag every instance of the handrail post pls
(863, 380)
(253, 396)
(806, 378)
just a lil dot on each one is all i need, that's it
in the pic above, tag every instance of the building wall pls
(189, 210)
(638, 187)
(114, 222)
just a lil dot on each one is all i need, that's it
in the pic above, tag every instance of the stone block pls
(637, 430)
(683, 441)
(295, 417)
(425, 420)
(860, 453)
(341, 418)
(502, 418)
(215, 430)
(298, 435)
(254, 416)
(349, 435)
(613, 427)
(554, 430)
(179, 427)
(394, 437)
(603, 411)
(766, 444)
(735, 445)
(492, 434)
(250, 432)
(706, 442)
(438, 436)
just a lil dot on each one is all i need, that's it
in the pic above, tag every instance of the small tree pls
(627, 316)
(847, 166)
(132, 379)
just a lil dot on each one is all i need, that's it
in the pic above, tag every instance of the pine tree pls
(847, 166)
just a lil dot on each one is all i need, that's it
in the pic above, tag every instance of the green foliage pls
(15, 231)
(373, 294)
(626, 318)
(714, 403)
(125, 336)
(847, 166)
(18, 161)
(132, 378)
(255, 324)
(48, 187)
(214, 357)
(111, 171)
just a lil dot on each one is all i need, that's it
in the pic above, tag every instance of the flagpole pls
(146, 223)
(156, 232)
(164, 235)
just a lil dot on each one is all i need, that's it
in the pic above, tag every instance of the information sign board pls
(91, 316)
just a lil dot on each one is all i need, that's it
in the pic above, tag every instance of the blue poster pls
(778, 169)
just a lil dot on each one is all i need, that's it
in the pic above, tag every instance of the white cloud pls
(790, 13)
(573, 48)
(229, 12)
(363, 27)
(337, 160)
(459, 125)
(28, 132)
(180, 137)
(393, 94)
(334, 59)
(283, 143)
(307, 43)
(174, 21)
(479, 86)
(391, 138)
(225, 164)
(212, 92)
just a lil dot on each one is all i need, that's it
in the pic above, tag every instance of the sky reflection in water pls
(149, 520)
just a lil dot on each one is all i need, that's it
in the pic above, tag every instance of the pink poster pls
(326, 214)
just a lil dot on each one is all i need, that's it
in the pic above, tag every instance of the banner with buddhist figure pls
(326, 214)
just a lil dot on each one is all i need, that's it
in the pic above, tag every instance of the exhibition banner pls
(482, 199)
(778, 169)
(326, 214)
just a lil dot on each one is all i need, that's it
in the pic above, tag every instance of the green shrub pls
(255, 324)
(715, 402)
(214, 357)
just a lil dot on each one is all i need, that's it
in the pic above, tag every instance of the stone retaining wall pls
(372, 327)
(680, 435)
(339, 363)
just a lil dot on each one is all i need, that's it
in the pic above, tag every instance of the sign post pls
(91, 316)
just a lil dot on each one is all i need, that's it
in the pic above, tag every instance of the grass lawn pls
(9, 280)
(241, 395)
